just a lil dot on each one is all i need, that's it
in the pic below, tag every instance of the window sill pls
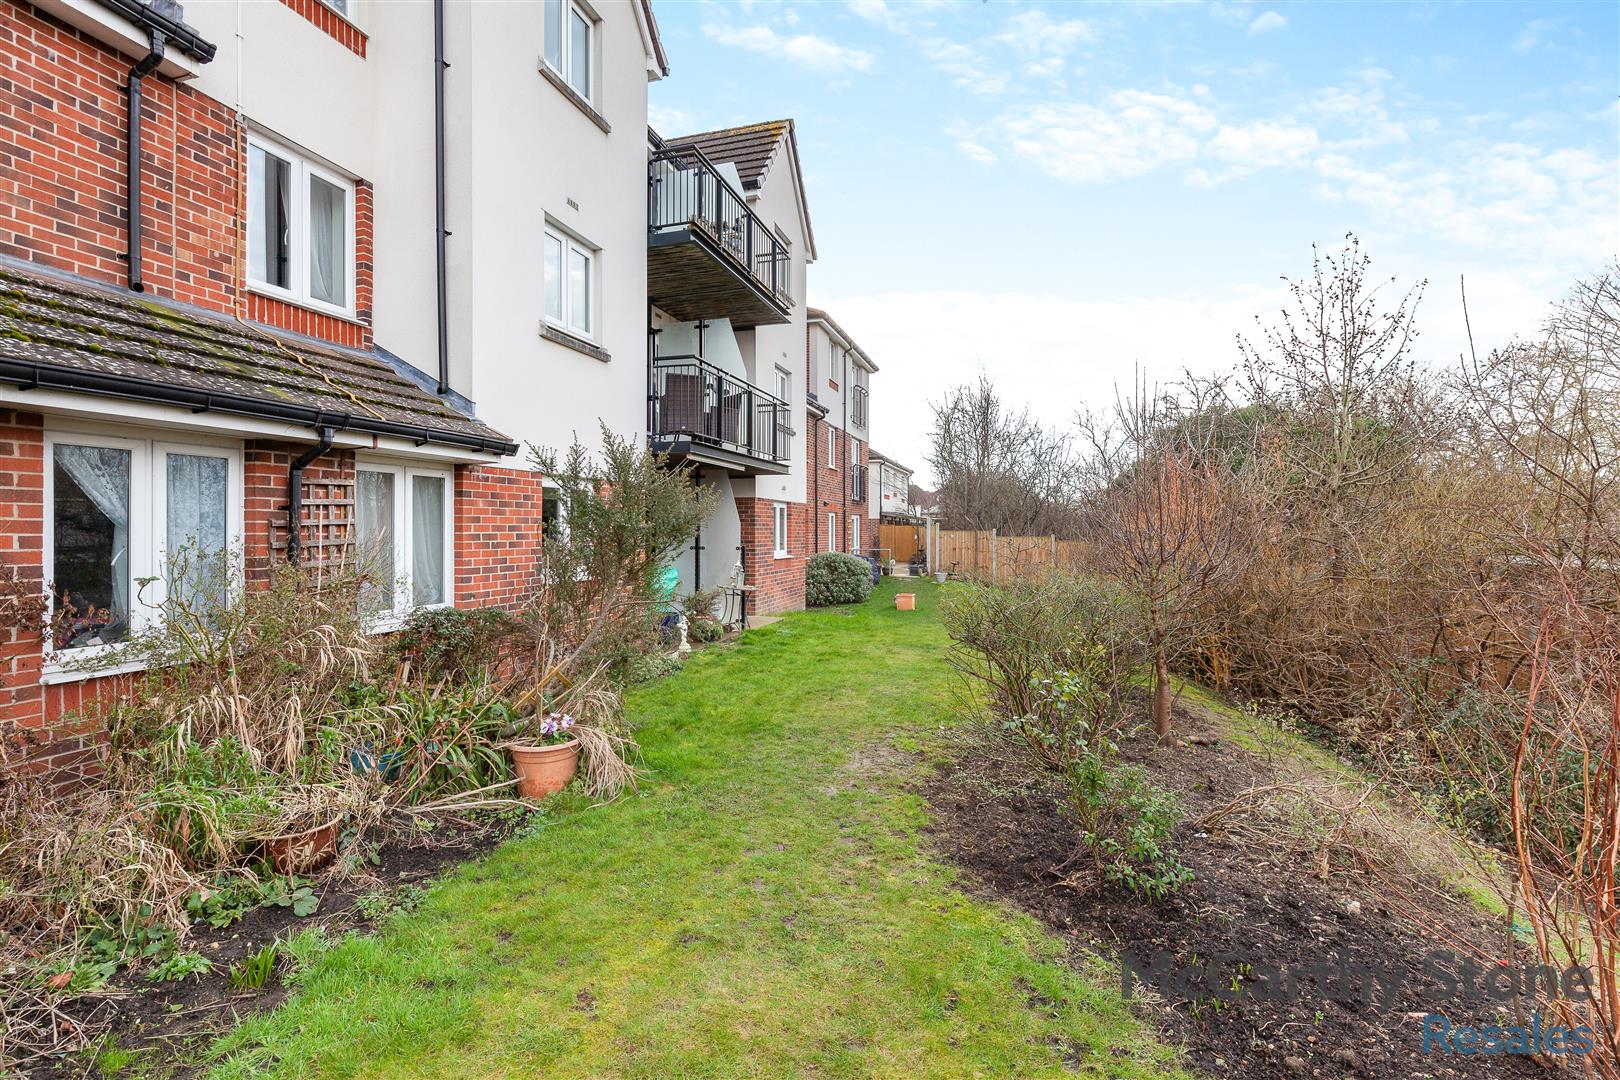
(573, 341)
(574, 98)
(270, 292)
(58, 673)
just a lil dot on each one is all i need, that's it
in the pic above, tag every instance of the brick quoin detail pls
(336, 26)
(63, 129)
(497, 535)
(778, 583)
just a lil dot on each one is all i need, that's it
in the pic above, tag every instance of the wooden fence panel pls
(902, 541)
(986, 556)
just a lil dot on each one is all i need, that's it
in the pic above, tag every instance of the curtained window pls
(403, 526)
(300, 228)
(139, 530)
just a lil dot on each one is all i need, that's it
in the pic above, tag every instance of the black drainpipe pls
(132, 89)
(440, 231)
(295, 492)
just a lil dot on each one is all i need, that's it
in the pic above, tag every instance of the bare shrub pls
(1054, 654)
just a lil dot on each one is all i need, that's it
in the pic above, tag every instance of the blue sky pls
(1062, 193)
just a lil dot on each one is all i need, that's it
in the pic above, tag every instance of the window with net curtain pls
(97, 508)
(401, 523)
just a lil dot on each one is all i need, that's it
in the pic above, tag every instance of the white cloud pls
(981, 154)
(1534, 34)
(1133, 133)
(667, 121)
(1264, 144)
(1035, 33)
(967, 67)
(1268, 22)
(1547, 207)
(806, 50)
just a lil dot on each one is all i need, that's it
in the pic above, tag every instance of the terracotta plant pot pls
(545, 770)
(301, 852)
(905, 601)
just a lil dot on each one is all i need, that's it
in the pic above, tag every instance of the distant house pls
(893, 483)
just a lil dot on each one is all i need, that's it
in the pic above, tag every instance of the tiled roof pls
(751, 148)
(74, 335)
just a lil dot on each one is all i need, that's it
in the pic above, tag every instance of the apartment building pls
(730, 242)
(289, 280)
(892, 484)
(284, 280)
(838, 448)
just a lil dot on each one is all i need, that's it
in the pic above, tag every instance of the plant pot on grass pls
(547, 761)
(905, 601)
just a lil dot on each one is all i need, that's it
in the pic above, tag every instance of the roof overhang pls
(840, 337)
(651, 43)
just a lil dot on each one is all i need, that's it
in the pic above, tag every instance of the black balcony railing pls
(857, 405)
(857, 483)
(691, 398)
(685, 191)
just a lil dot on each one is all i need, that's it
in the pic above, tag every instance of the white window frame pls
(832, 530)
(570, 244)
(832, 448)
(854, 533)
(297, 291)
(565, 51)
(148, 508)
(779, 529)
(393, 617)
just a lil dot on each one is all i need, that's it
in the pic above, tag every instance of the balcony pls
(697, 412)
(708, 255)
(857, 483)
(857, 405)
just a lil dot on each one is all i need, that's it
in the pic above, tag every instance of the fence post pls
(1053, 539)
(993, 546)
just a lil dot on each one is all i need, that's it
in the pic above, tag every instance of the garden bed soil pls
(166, 1025)
(1000, 818)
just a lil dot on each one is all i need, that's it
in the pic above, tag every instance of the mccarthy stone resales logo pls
(1445, 977)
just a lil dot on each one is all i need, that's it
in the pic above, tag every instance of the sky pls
(1061, 195)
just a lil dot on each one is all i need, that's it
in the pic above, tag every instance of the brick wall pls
(22, 487)
(829, 492)
(497, 535)
(778, 583)
(326, 534)
(63, 128)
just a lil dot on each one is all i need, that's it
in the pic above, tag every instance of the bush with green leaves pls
(1055, 655)
(453, 643)
(1124, 823)
(835, 578)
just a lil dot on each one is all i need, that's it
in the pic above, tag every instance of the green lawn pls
(766, 906)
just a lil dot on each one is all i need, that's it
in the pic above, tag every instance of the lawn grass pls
(765, 906)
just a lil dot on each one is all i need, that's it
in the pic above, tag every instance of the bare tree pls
(998, 468)
(1335, 375)
(1168, 515)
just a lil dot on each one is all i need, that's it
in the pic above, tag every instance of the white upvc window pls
(570, 283)
(571, 45)
(854, 533)
(832, 447)
(135, 527)
(779, 529)
(832, 532)
(405, 529)
(300, 229)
